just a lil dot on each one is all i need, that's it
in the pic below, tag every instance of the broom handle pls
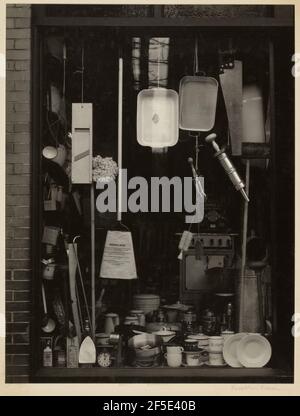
(93, 301)
(244, 245)
(120, 139)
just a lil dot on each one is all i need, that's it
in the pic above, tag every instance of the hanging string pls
(82, 71)
(196, 153)
(158, 68)
(196, 63)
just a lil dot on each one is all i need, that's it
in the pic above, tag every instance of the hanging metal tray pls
(157, 117)
(197, 103)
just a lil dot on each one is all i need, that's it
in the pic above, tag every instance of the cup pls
(190, 344)
(216, 344)
(216, 358)
(174, 360)
(192, 359)
(172, 349)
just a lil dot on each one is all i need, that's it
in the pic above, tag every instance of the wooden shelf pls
(163, 374)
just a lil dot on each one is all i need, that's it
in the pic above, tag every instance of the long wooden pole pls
(120, 138)
(244, 248)
(93, 300)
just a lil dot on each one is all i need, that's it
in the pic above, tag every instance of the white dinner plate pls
(254, 351)
(230, 349)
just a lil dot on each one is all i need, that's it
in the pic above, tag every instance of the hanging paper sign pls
(118, 260)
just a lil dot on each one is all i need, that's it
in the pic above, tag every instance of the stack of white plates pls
(247, 350)
(146, 302)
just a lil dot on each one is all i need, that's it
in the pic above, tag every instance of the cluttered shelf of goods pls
(130, 286)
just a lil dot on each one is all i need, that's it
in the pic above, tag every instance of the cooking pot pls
(142, 340)
(165, 334)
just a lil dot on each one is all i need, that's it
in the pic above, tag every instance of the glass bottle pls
(229, 314)
(48, 355)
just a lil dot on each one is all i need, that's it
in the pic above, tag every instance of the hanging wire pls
(82, 70)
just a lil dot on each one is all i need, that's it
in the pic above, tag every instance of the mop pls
(118, 260)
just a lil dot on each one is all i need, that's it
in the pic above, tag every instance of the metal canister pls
(140, 315)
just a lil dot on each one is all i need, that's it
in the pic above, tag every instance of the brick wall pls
(18, 179)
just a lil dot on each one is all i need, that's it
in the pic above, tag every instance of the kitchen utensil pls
(60, 156)
(173, 349)
(192, 358)
(102, 338)
(111, 321)
(173, 359)
(87, 351)
(231, 81)
(215, 344)
(197, 100)
(227, 165)
(157, 117)
(142, 340)
(165, 334)
(201, 339)
(248, 303)
(140, 315)
(99, 304)
(50, 235)
(241, 318)
(197, 103)
(143, 352)
(254, 351)
(72, 249)
(75, 252)
(131, 320)
(48, 324)
(216, 365)
(230, 349)
(59, 310)
(190, 344)
(146, 302)
(48, 271)
(253, 115)
(216, 359)
(49, 152)
(226, 334)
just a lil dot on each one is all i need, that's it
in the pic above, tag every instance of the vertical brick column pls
(18, 190)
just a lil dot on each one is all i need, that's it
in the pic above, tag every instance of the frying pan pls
(197, 100)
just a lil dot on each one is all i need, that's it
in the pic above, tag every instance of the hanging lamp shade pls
(157, 117)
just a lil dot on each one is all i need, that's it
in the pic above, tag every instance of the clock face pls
(104, 359)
